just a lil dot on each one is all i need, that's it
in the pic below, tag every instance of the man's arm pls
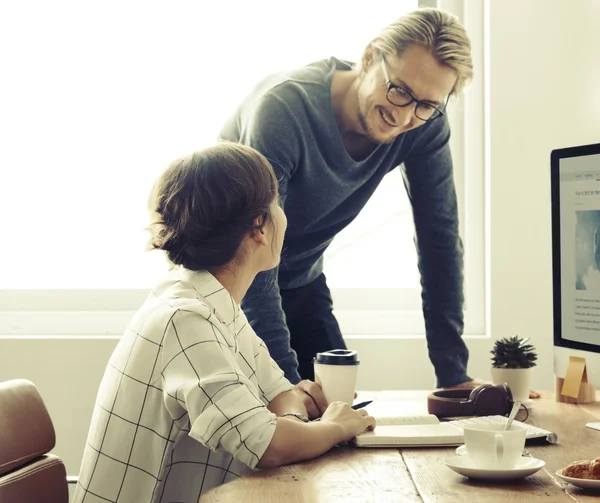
(262, 306)
(305, 398)
(428, 177)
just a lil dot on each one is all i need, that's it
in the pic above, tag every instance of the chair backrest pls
(28, 474)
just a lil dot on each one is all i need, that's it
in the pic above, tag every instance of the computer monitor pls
(575, 189)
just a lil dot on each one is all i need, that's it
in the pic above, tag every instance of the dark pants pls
(312, 325)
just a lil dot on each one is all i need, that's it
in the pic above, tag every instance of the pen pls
(357, 406)
(361, 404)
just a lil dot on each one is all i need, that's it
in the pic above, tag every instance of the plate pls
(525, 466)
(584, 483)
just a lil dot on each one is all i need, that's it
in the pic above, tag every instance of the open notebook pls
(398, 426)
(408, 430)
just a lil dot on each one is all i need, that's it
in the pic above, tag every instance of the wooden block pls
(587, 393)
(575, 375)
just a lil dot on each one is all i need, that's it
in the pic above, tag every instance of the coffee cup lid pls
(337, 357)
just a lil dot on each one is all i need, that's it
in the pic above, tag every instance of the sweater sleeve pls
(428, 176)
(268, 125)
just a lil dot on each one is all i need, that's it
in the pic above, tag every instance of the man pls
(332, 131)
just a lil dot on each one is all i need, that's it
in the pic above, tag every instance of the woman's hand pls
(312, 397)
(351, 422)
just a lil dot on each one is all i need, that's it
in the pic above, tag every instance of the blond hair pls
(436, 30)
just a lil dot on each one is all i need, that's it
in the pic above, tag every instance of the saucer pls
(583, 483)
(525, 466)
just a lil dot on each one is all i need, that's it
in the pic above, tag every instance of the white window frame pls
(363, 313)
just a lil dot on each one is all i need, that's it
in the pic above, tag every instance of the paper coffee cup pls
(336, 372)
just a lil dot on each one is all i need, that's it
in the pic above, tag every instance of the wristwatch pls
(297, 415)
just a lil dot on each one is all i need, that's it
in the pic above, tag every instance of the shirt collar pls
(213, 291)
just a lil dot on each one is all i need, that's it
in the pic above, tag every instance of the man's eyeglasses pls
(401, 97)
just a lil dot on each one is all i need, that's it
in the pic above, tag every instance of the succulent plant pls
(513, 353)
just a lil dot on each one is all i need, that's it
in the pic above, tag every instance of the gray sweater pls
(289, 118)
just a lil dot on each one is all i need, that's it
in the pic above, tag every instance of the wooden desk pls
(347, 474)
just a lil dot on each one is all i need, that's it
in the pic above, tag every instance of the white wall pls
(67, 373)
(545, 94)
(545, 73)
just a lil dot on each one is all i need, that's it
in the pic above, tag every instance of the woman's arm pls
(224, 410)
(306, 398)
(295, 440)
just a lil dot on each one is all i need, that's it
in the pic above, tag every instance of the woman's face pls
(275, 231)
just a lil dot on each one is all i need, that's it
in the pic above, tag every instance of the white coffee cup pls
(336, 372)
(490, 447)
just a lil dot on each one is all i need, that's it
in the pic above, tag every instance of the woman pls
(191, 398)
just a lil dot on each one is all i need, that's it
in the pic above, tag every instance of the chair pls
(28, 474)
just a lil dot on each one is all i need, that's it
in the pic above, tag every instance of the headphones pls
(484, 400)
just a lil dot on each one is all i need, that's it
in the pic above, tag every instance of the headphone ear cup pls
(477, 391)
(508, 392)
(492, 400)
(509, 398)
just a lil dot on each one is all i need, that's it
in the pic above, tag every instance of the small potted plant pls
(512, 361)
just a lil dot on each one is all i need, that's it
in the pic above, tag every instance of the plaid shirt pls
(182, 404)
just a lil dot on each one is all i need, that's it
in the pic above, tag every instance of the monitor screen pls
(575, 188)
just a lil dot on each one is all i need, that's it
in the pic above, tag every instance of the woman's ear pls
(258, 233)
(259, 236)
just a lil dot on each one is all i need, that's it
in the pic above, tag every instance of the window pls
(103, 96)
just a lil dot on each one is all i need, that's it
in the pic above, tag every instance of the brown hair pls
(436, 30)
(204, 204)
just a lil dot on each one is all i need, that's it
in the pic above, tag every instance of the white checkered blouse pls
(182, 404)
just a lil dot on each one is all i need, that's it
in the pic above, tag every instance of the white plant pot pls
(518, 380)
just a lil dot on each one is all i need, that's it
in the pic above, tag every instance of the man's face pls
(416, 71)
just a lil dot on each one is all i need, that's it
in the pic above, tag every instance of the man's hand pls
(312, 396)
(478, 382)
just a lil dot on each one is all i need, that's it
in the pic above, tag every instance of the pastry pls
(595, 468)
(584, 469)
(578, 469)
